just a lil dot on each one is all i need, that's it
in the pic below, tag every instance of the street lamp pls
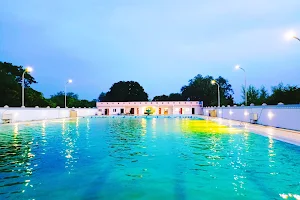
(239, 67)
(215, 82)
(290, 35)
(68, 82)
(28, 70)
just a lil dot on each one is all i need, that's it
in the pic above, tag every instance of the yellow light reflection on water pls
(290, 196)
(204, 126)
(16, 130)
(144, 125)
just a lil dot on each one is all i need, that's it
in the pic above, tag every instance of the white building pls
(156, 107)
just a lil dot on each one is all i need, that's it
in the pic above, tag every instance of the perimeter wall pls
(281, 116)
(34, 114)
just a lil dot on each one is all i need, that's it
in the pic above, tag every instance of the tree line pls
(11, 91)
(198, 88)
(287, 94)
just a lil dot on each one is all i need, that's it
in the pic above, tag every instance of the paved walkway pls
(289, 136)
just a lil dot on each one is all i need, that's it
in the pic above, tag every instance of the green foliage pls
(125, 91)
(102, 96)
(285, 94)
(198, 89)
(11, 87)
(253, 94)
(176, 97)
(73, 100)
(161, 98)
(201, 89)
(149, 110)
(11, 90)
(171, 97)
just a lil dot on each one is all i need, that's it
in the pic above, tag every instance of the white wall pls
(187, 110)
(33, 114)
(281, 116)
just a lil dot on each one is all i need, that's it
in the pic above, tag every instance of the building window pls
(100, 110)
(114, 110)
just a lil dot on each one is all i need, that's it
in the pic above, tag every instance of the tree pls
(161, 98)
(201, 89)
(126, 91)
(102, 97)
(73, 100)
(252, 94)
(226, 91)
(11, 86)
(11, 90)
(59, 99)
(35, 98)
(176, 97)
(285, 94)
(255, 96)
(263, 95)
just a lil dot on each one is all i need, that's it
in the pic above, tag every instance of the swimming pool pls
(143, 158)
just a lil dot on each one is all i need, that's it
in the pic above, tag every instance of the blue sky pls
(159, 43)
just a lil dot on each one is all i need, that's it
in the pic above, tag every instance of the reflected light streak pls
(63, 126)
(16, 130)
(77, 122)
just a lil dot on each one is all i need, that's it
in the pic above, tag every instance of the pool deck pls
(285, 135)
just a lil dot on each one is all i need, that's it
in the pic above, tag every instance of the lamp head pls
(290, 35)
(70, 81)
(237, 67)
(28, 69)
(213, 82)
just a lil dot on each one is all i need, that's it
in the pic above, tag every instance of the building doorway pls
(166, 111)
(180, 111)
(193, 111)
(159, 111)
(106, 112)
(137, 111)
(132, 111)
(122, 110)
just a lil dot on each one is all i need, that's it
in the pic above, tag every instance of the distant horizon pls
(161, 44)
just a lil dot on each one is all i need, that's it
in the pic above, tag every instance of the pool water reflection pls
(139, 158)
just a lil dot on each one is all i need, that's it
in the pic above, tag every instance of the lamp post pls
(215, 82)
(28, 70)
(69, 81)
(239, 67)
(291, 35)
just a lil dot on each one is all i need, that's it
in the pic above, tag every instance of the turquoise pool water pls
(116, 158)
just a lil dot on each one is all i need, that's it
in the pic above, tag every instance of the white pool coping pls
(288, 136)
